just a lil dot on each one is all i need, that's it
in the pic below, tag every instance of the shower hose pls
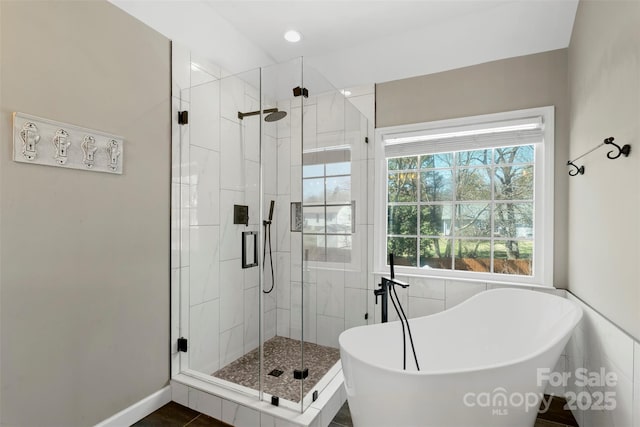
(267, 235)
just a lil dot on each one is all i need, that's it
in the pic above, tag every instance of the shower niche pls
(262, 301)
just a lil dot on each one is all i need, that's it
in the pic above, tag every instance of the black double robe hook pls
(624, 150)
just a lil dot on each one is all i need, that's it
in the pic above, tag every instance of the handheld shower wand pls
(267, 237)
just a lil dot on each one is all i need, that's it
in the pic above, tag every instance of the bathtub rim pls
(576, 318)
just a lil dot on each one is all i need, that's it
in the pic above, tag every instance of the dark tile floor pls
(175, 415)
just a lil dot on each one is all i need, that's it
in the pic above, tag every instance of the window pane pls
(513, 257)
(514, 220)
(402, 163)
(435, 253)
(313, 219)
(312, 170)
(473, 184)
(521, 154)
(339, 189)
(339, 219)
(314, 247)
(514, 183)
(339, 248)
(404, 250)
(473, 158)
(343, 168)
(436, 186)
(435, 220)
(472, 255)
(402, 220)
(444, 160)
(403, 187)
(473, 220)
(313, 191)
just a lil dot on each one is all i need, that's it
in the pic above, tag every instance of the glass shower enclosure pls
(273, 254)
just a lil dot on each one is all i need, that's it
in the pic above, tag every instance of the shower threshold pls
(239, 406)
(281, 358)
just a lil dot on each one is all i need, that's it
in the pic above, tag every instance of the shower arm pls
(242, 115)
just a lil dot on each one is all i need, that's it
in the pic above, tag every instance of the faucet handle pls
(377, 293)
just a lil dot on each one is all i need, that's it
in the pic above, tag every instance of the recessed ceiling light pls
(292, 36)
(345, 92)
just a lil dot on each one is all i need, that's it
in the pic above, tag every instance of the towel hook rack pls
(622, 151)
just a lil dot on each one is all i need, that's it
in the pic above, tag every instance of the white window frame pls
(543, 197)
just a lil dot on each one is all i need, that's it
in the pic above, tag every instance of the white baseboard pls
(138, 410)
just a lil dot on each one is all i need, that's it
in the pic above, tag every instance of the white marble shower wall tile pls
(231, 345)
(232, 98)
(283, 126)
(204, 336)
(269, 324)
(608, 348)
(329, 329)
(251, 277)
(355, 302)
(231, 295)
(296, 257)
(179, 143)
(283, 279)
(282, 320)
(330, 113)
(425, 287)
(180, 68)
(356, 278)
(366, 104)
(205, 187)
(269, 165)
(284, 165)
(251, 318)
(282, 217)
(303, 316)
(239, 415)
(232, 167)
(457, 292)
(309, 132)
(204, 116)
(330, 292)
(251, 139)
(419, 307)
(206, 403)
(296, 183)
(205, 264)
(230, 233)
(270, 299)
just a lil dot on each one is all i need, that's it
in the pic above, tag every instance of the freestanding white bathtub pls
(482, 363)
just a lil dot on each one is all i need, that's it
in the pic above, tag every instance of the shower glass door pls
(334, 175)
(221, 287)
(274, 260)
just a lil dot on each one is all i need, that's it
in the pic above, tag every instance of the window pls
(470, 198)
(327, 209)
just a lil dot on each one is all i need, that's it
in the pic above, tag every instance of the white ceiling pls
(355, 42)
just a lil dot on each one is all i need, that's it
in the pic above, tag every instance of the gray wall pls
(604, 204)
(510, 84)
(84, 261)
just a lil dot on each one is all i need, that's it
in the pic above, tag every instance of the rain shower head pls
(272, 114)
(275, 116)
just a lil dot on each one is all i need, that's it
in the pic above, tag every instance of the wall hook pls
(579, 169)
(624, 150)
